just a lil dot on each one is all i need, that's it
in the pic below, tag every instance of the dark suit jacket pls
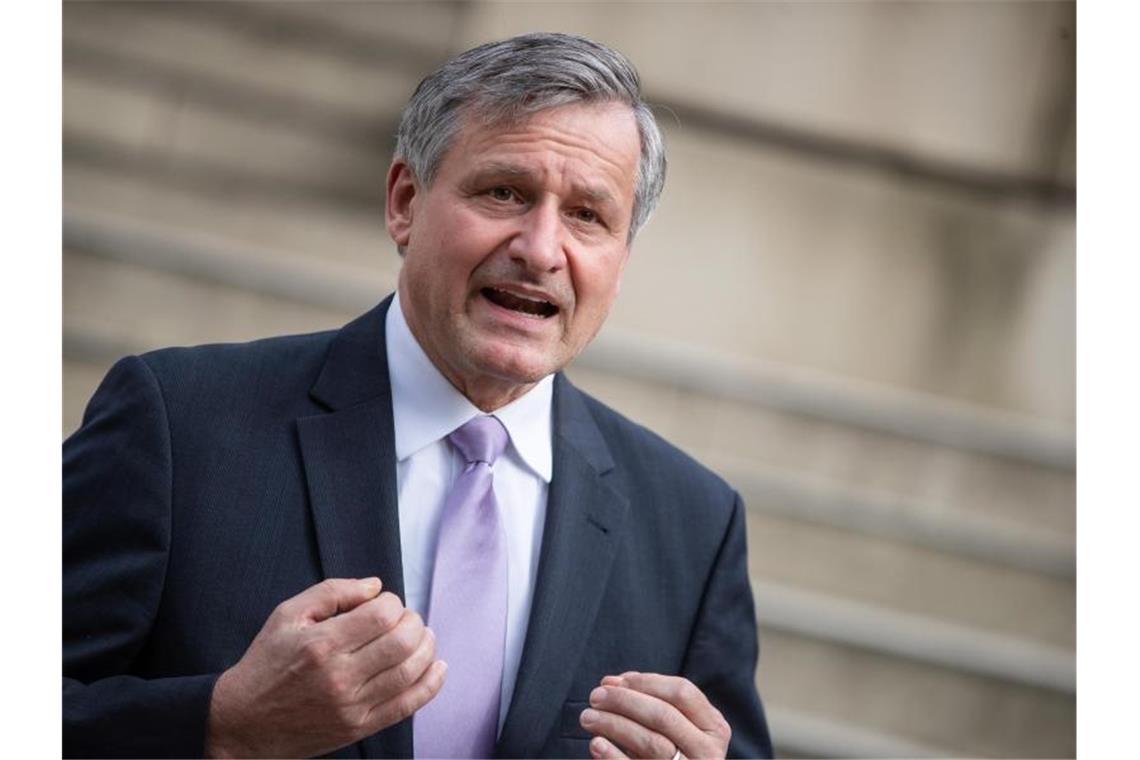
(209, 484)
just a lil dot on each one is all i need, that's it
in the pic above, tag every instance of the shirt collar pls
(426, 407)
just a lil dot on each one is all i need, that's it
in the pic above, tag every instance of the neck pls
(489, 396)
(486, 391)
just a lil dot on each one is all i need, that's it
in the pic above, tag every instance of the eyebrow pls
(508, 171)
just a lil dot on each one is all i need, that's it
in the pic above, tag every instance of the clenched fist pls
(332, 665)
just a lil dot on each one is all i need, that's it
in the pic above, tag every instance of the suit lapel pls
(584, 519)
(349, 457)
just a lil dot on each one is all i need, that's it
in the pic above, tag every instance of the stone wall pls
(856, 299)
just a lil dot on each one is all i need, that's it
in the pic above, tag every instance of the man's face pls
(514, 255)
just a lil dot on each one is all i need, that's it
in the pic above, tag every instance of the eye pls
(587, 215)
(501, 193)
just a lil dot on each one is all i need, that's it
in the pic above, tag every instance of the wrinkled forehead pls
(592, 140)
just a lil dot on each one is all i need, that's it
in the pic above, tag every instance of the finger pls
(396, 708)
(682, 694)
(634, 738)
(602, 747)
(402, 675)
(329, 597)
(655, 715)
(370, 620)
(392, 647)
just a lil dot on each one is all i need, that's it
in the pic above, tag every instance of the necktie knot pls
(480, 439)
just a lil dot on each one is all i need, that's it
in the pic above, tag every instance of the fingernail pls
(374, 584)
(597, 696)
(589, 717)
(598, 745)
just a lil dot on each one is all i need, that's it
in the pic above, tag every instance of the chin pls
(516, 365)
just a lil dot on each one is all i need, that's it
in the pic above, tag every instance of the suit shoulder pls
(269, 373)
(219, 359)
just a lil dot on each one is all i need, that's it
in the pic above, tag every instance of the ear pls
(402, 190)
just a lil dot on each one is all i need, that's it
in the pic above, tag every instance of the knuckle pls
(388, 610)
(662, 716)
(659, 746)
(415, 626)
(398, 642)
(687, 692)
(337, 687)
(644, 743)
(719, 722)
(281, 613)
(349, 718)
(315, 650)
(406, 674)
(408, 640)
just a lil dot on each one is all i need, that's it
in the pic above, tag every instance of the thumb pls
(333, 596)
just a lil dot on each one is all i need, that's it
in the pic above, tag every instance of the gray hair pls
(509, 80)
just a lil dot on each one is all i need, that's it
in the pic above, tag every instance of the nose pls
(538, 244)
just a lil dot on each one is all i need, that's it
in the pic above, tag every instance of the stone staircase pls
(911, 495)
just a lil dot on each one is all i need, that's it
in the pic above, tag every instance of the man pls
(584, 584)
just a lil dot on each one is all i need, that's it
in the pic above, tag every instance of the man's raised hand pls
(332, 665)
(650, 715)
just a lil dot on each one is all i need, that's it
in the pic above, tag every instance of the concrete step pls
(157, 127)
(930, 480)
(908, 578)
(948, 712)
(218, 50)
(319, 231)
(147, 309)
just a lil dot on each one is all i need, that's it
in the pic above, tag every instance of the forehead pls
(585, 142)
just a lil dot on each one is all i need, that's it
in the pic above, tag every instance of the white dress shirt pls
(425, 409)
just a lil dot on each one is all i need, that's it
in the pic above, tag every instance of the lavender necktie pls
(468, 605)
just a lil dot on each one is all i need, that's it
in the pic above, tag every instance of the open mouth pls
(529, 306)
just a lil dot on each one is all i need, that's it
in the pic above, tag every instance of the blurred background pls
(855, 301)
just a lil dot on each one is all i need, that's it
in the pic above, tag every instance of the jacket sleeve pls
(117, 476)
(724, 648)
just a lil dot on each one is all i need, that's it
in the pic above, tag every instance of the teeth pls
(523, 304)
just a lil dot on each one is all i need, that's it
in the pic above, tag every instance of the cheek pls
(463, 245)
(597, 284)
